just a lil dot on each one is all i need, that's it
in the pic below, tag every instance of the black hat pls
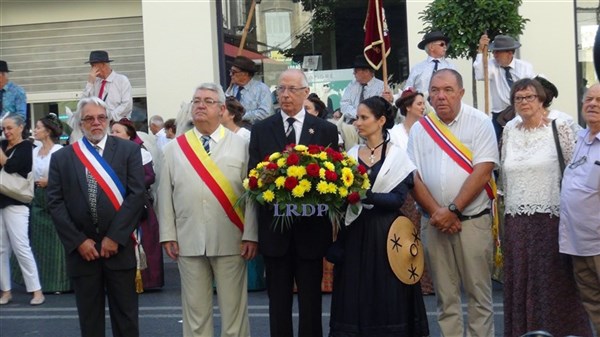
(245, 64)
(548, 86)
(360, 61)
(4, 67)
(99, 56)
(504, 42)
(432, 36)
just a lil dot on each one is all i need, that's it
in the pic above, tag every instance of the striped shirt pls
(351, 97)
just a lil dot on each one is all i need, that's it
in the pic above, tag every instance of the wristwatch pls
(452, 207)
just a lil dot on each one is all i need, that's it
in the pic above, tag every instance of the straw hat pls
(405, 251)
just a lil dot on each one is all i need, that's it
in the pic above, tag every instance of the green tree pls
(464, 21)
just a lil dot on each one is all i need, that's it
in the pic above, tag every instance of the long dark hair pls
(380, 107)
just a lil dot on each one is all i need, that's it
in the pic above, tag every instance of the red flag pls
(377, 37)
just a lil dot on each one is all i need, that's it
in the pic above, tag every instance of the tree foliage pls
(464, 21)
(321, 24)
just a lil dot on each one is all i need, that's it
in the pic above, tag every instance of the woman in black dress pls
(368, 299)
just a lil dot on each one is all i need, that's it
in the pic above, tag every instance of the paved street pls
(160, 313)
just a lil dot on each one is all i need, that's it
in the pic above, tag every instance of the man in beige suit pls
(200, 227)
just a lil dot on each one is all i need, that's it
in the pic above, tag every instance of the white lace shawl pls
(530, 169)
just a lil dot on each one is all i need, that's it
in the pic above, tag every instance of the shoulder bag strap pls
(561, 158)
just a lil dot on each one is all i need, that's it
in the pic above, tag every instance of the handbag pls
(14, 186)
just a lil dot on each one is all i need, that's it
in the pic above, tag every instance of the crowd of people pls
(106, 207)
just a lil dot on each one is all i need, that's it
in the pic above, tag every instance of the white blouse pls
(530, 168)
(41, 164)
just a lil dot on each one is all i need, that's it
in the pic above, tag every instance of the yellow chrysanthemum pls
(347, 176)
(296, 171)
(322, 187)
(343, 192)
(366, 184)
(245, 184)
(344, 162)
(329, 165)
(351, 161)
(300, 148)
(260, 183)
(262, 164)
(305, 184)
(298, 191)
(331, 188)
(322, 173)
(274, 156)
(268, 195)
(279, 182)
(280, 162)
(323, 155)
(253, 173)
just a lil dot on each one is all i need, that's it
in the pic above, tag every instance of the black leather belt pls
(471, 217)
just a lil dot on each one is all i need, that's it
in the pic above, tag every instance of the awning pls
(231, 51)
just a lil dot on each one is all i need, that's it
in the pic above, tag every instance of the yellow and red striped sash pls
(212, 176)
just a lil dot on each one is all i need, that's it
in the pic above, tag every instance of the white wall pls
(548, 43)
(180, 46)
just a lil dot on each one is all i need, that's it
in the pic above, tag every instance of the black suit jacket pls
(310, 236)
(69, 206)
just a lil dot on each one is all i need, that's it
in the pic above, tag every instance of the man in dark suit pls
(95, 221)
(293, 253)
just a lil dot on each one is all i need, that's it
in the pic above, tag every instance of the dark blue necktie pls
(509, 78)
(290, 134)
(238, 96)
(206, 143)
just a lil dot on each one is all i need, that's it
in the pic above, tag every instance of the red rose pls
(353, 197)
(336, 156)
(312, 169)
(290, 183)
(361, 169)
(272, 166)
(253, 183)
(314, 149)
(292, 159)
(330, 175)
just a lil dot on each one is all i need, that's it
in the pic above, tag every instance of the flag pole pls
(384, 65)
(246, 28)
(486, 83)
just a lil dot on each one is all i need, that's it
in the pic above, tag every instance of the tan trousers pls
(465, 257)
(587, 276)
(229, 274)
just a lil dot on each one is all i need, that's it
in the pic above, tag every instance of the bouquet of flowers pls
(307, 179)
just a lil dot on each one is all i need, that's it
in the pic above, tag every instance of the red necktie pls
(102, 89)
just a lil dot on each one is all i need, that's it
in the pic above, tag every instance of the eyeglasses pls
(91, 119)
(530, 98)
(206, 101)
(233, 71)
(281, 89)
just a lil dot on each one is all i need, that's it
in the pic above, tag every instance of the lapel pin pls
(311, 131)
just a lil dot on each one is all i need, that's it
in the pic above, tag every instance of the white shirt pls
(215, 137)
(499, 89)
(420, 75)
(161, 139)
(41, 164)
(351, 97)
(245, 133)
(297, 124)
(117, 94)
(553, 114)
(441, 174)
(399, 135)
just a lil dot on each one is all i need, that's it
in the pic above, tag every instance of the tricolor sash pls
(453, 147)
(212, 176)
(101, 171)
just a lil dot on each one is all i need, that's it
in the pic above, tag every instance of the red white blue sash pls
(101, 171)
